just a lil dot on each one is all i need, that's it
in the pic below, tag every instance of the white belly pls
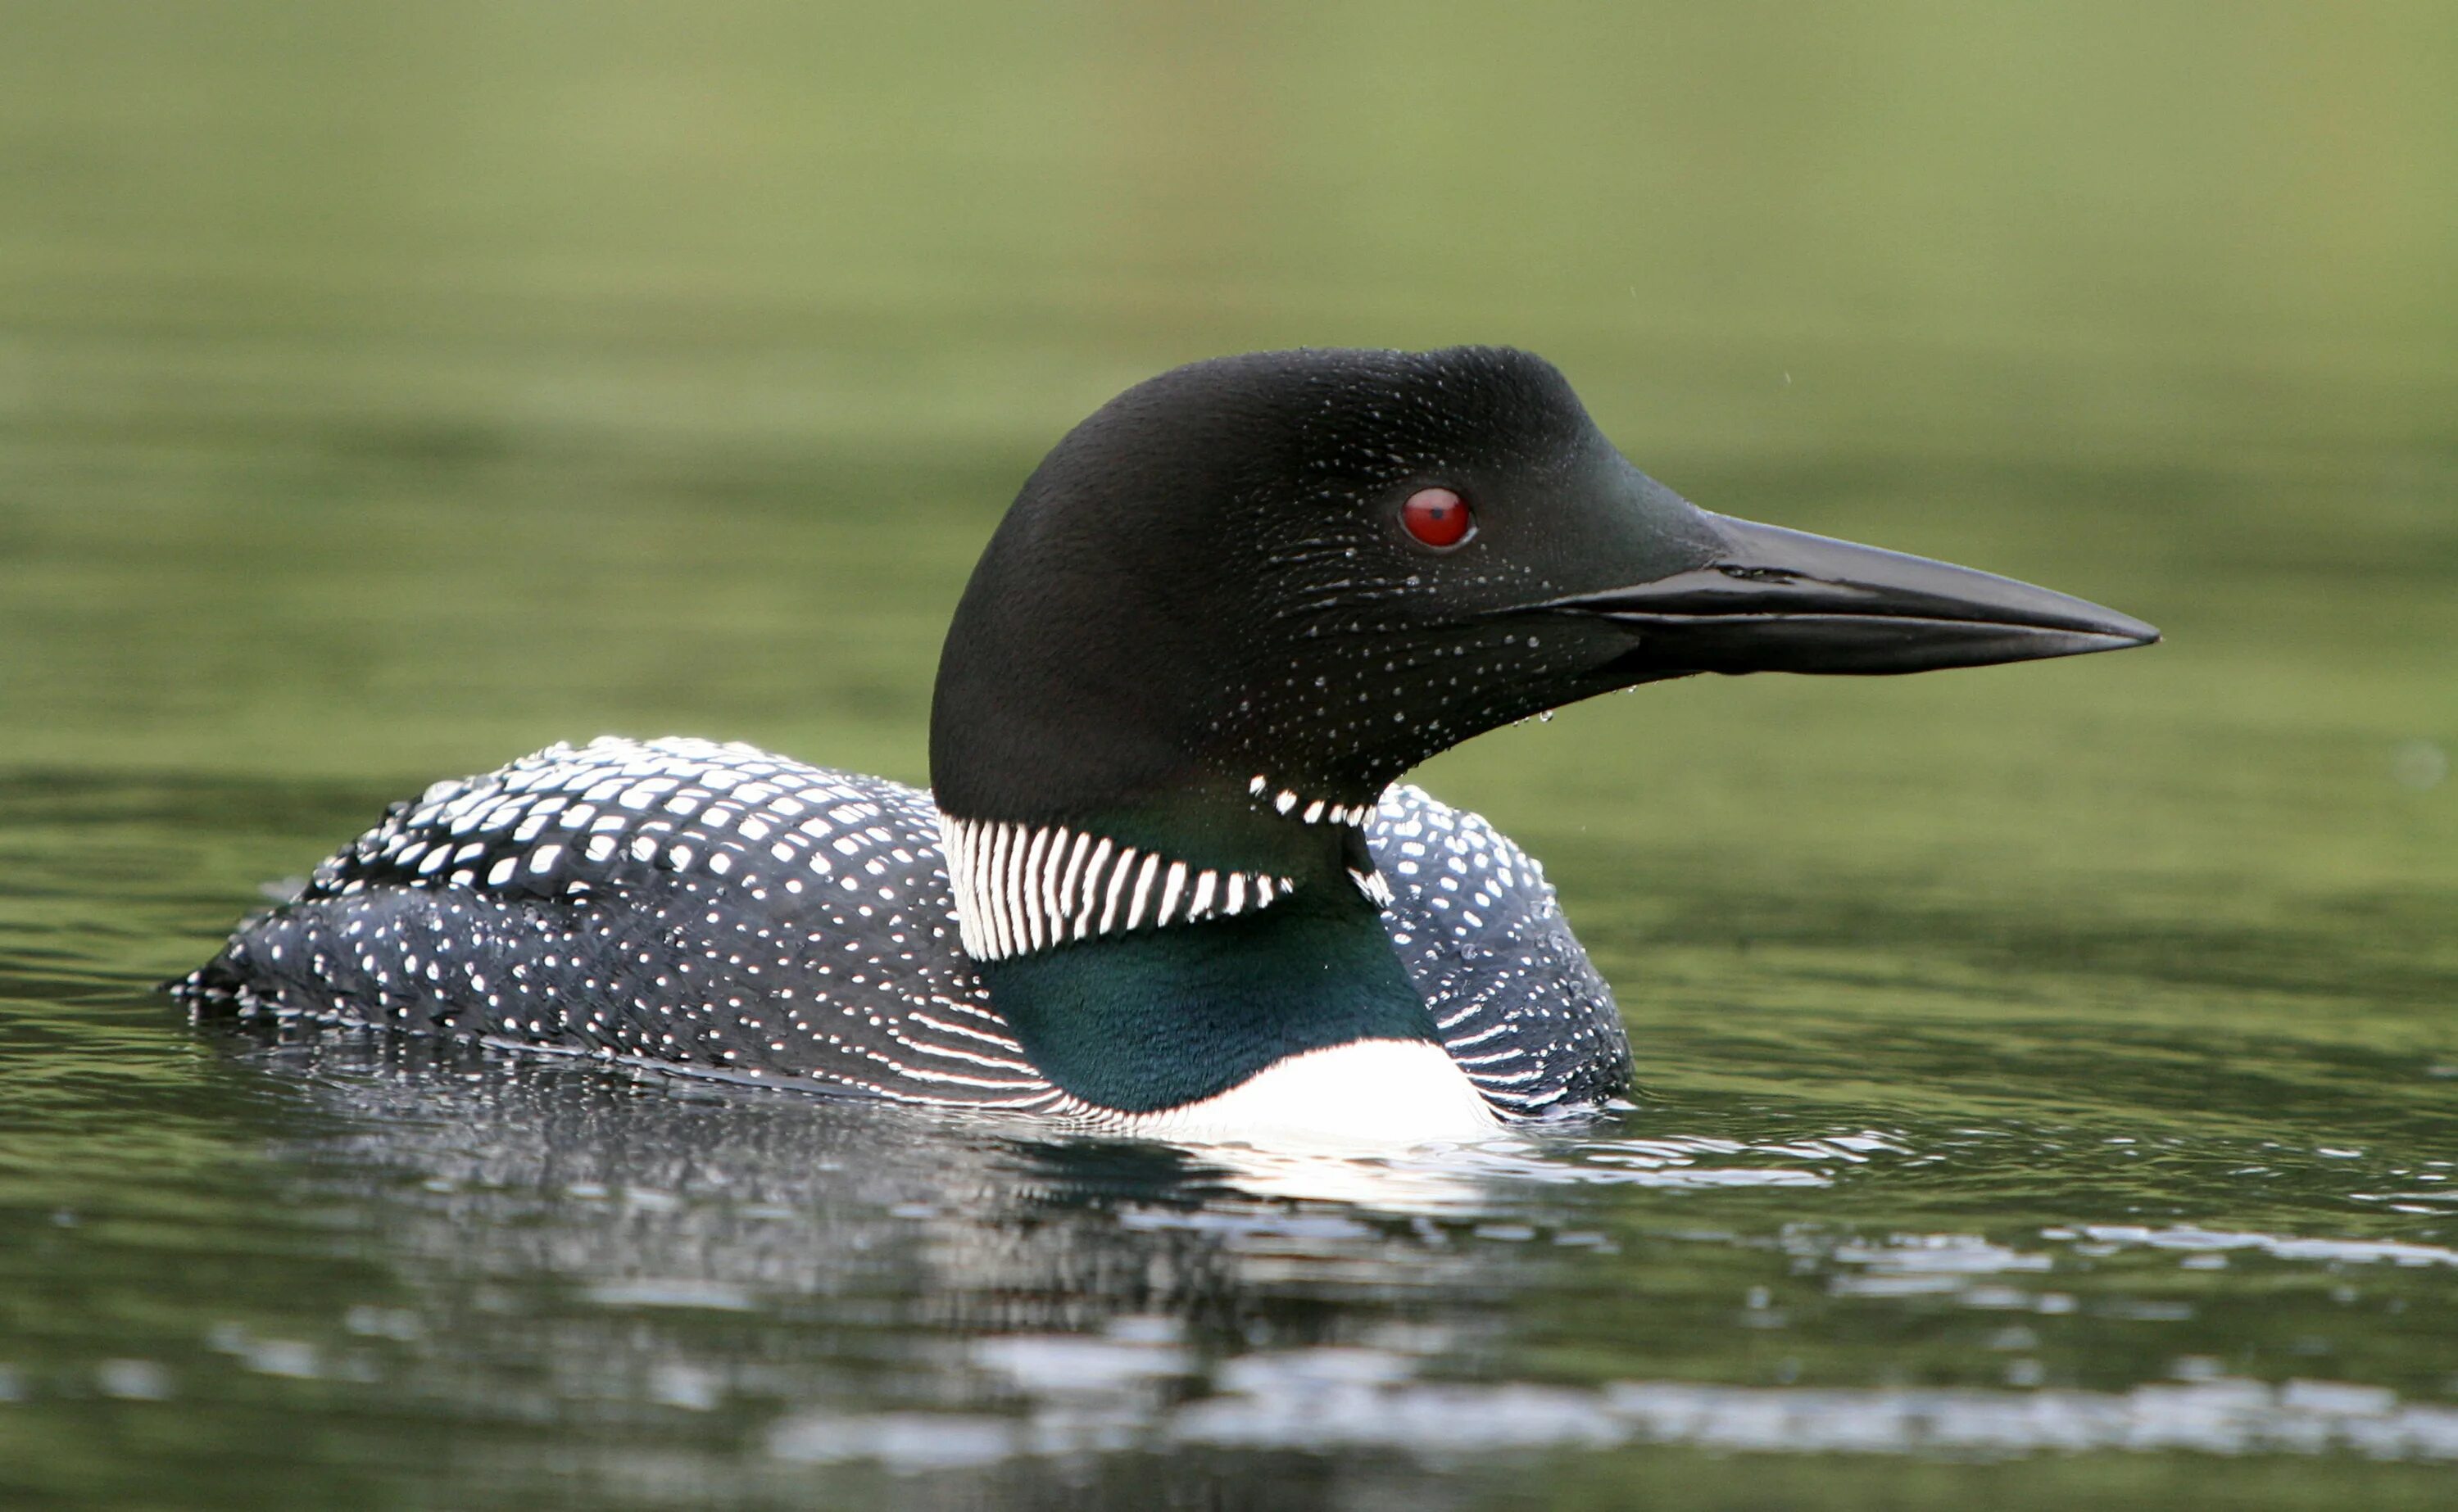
(1372, 1094)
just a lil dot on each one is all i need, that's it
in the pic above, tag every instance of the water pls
(2048, 1072)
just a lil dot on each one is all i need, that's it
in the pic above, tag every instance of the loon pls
(1167, 880)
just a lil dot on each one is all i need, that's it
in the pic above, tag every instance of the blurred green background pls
(436, 335)
(388, 390)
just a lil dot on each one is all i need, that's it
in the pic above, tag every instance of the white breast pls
(1372, 1094)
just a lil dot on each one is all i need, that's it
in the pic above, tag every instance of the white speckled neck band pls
(1023, 887)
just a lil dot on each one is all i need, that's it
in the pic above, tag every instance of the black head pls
(1218, 577)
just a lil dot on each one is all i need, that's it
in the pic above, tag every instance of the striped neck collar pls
(1026, 887)
(1288, 805)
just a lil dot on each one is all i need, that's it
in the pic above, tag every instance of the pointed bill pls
(1780, 600)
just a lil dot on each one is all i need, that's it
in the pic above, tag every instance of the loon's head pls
(1253, 567)
(1242, 598)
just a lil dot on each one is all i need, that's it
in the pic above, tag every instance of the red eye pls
(1438, 517)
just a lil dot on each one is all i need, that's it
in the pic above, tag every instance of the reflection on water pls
(751, 1290)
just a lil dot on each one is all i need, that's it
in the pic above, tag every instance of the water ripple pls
(1346, 1398)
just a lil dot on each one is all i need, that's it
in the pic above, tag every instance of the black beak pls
(1776, 600)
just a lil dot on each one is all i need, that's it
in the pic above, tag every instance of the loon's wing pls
(675, 902)
(1513, 995)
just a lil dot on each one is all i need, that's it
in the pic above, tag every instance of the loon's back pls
(717, 909)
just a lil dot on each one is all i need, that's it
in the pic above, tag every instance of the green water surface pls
(2046, 1071)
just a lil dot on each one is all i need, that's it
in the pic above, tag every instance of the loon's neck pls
(1152, 962)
